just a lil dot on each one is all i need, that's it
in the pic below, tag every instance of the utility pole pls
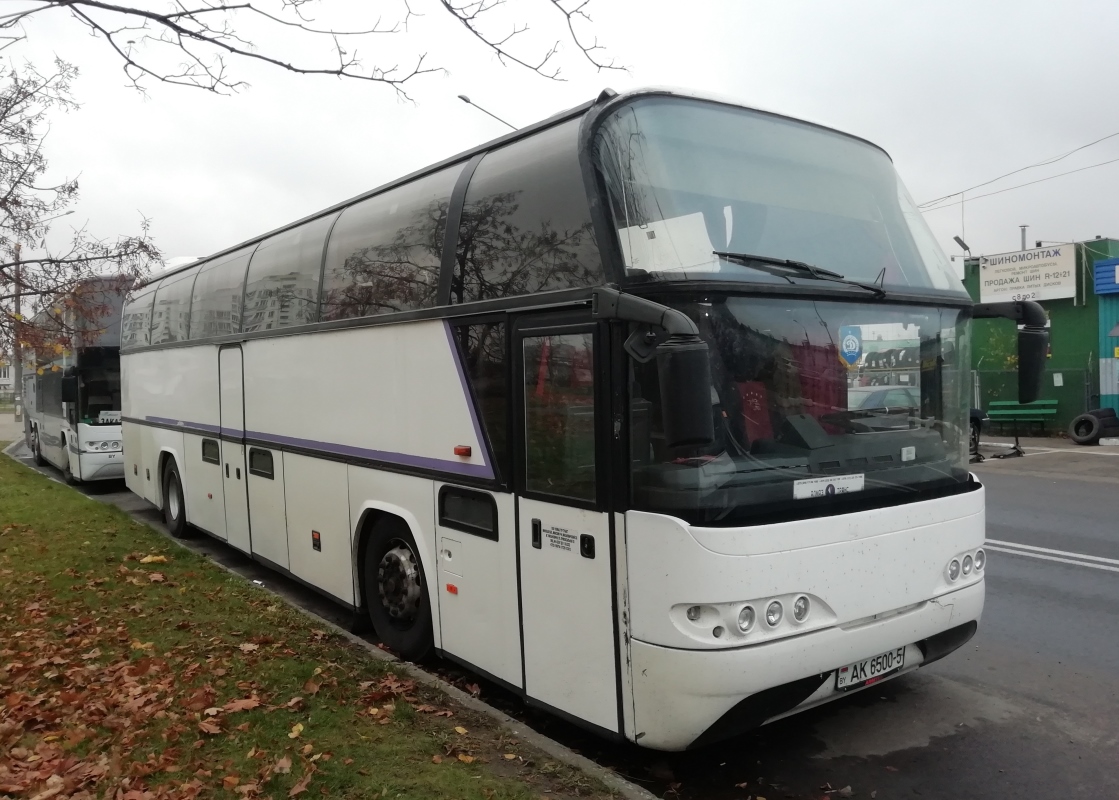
(1023, 227)
(17, 353)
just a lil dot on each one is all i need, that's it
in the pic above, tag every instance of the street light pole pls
(1023, 227)
(470, 102)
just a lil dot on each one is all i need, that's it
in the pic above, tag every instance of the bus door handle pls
(227, 470)
(536, 534)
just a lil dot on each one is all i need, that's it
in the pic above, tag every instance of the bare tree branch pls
(203, 38)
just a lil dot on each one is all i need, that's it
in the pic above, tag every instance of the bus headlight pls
(746, 618)
(954, 570)
(693, 613)
(980, 560)
(967, 565)
(773, 614)
(800, 608)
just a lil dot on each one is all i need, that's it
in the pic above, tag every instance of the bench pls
(1003, 411)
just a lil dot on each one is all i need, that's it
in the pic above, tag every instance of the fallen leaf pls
(244, 704)
(437, 759)
(212, 712)
(465, 759)
(283, 766)
(210, 726)
(296, 729)
(310, 687)
(460, 730)
(846, 791)
(138, 645)
(304, 782)
(153, 560)
(510, 756)
(229, 781)
(248, 647)
(156, 577)
(306, 749)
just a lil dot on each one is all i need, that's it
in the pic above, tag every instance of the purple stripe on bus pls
(162, 420)
(466, 394)
(403, 459)
(229, 431)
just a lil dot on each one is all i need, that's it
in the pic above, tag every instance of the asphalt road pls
(1028, 709)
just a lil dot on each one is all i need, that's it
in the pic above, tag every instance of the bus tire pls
(174, 502)
(1103, 413)
(36, 449)
(1085, 429)
(396, 590)
(67, 475)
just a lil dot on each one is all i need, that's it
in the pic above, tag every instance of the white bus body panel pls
(205, 504)
(478, 619)
(568, 613)
(231, 401)
(268, 513)
(877, 578)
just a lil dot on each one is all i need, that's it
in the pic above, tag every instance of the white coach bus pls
(571, 409)
(71, 395)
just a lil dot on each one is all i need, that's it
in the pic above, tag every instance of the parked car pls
(908, 397)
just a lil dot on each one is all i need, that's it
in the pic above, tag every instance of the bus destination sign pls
(1045, 273)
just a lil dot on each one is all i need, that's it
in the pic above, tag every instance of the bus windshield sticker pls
(109, 416)
(827, 487)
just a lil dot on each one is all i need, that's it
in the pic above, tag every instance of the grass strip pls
(132, 668)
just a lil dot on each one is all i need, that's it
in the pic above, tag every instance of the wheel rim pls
(173, 502)
(399, 584)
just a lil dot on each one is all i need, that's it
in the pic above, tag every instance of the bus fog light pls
(967, 565)
(800, 608)
(693, 613)
(773, 614)
(980, 560)
(717, 632)
(745, 618)
(953, 570)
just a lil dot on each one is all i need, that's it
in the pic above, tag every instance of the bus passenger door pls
(565, 538)
(231, 389)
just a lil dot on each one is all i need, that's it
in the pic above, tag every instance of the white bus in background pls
(571, 409)
(71, 394)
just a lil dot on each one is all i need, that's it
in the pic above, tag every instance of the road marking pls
(1040, 451)
(1043, 557)
(1067, 553)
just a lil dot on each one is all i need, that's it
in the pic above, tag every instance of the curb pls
(611, 779)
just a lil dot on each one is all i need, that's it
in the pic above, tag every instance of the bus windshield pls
(99, 400)
(687, 179)
(817, 405)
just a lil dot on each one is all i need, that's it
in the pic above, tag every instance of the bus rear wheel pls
(36, 450)
(396, 593)
(174, 504)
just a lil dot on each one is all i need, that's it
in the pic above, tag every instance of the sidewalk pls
(10, 429)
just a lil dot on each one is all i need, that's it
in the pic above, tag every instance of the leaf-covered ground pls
(131, 668)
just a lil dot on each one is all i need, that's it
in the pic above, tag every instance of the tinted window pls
(559, 415)
(526, 225)
(260, 463)
(216, 310)
(210, 451)
(136, 321)
(472, 512)
(171, 315)
(384, 253)
(283, 282)
(484, 358)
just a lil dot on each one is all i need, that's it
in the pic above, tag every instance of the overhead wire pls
(1019, 186)
(1044, 163)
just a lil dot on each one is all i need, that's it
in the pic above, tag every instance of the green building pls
(1079, 340)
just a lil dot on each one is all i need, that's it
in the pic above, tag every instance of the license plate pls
(864, 673)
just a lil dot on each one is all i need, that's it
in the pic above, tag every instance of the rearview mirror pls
(684, 375)
(1033, 341)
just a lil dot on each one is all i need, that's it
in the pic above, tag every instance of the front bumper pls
(102, 466)
(688, 698)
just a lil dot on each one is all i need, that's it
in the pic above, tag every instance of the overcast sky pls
(958, 91)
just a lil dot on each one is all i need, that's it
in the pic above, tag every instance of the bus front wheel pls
(396, 590)
(174, 506)
(67, 473)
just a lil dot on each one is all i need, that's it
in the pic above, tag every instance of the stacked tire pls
(1099, 423)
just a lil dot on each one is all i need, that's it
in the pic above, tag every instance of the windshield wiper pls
(819, 273)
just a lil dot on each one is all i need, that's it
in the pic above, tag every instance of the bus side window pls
(211, 452)
(468, 511)
(260, 463)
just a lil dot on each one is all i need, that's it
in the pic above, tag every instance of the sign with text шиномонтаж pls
(1045, 273)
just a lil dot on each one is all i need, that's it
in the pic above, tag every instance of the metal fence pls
(1075, 390)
